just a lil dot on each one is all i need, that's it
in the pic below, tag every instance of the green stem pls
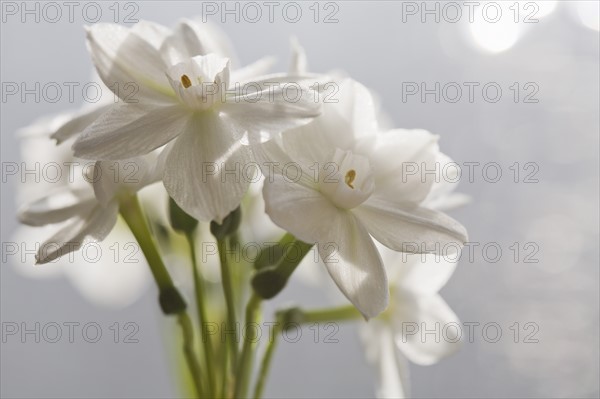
(342, 313)
(134, 217)
(245, 368)
(188, 349)
(265, 364)
(225, 380)
(170, 299)
(202, 318)
(229, 300)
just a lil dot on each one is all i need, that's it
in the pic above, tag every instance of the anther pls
(350, 176)
(185, 81)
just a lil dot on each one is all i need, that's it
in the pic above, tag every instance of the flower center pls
(350, 176)
(347, 180)
(200, 82)
(185, 81)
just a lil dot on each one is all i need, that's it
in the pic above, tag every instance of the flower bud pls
(181, 222)
(171, 301)
(229, 226)
(268, 282)
(271, 279)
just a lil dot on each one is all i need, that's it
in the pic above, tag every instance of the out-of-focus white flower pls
(112, 272)
(65, 125)
(195, 103)
(86, 204)
(346, 184)
(399, 333)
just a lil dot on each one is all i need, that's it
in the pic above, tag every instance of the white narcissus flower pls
(87, 206)
(65, 125)
(107, 281)
(415, 300)
(111, 273)
(397, 335)
(195, 104)
(338, 181)
(189, 38)
(415, 283)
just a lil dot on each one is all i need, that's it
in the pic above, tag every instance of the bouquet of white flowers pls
(335, 183)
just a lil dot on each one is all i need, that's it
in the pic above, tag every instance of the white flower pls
(87, 204)
(65, 125)
(192, 103)
(416, 305)
(398, 334)
(119, 276)
(110, 273)
(346, 185)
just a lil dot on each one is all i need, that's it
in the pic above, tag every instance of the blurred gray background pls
(558, 55)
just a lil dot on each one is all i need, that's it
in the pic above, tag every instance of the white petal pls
(191, 38)
(356, 103)
(346, 120)
(425, 313)
(78, 123)
(96, 226)
(302, 211)
(129, 64)
(298, 63)
(155, 34)
(410, 228)
(441, 196)
(129, 130)
(448, 202)
(44, 126)
(382, 352)
(56, 207)
(338, 126)
(262, 113)
(196, 169)
(252, 71)
(399, 159)
(316, 142)
(354, 264)
(22, 239)
(423, 274)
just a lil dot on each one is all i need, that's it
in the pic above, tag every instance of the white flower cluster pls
(196, 122)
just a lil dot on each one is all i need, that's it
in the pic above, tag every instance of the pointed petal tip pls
(57, 139)
(374, 312)
(76, 148)
(39, 260)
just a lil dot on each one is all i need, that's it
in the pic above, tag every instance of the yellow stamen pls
(350, 176)
(185, 81)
